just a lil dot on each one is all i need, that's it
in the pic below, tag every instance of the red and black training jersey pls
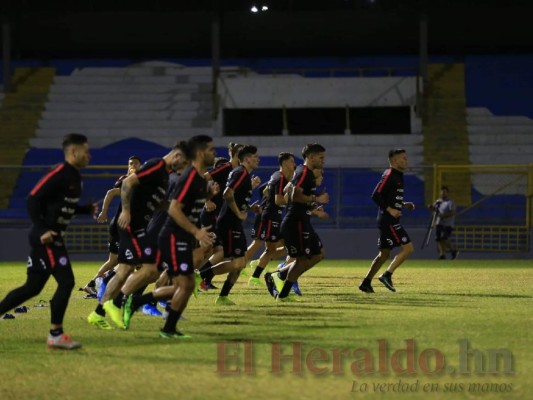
(389, 193)
(160, 216)
(220, 175)
(54, 200)
(275, 186)
(239, 180)
(191, 191)
(149, 193)
(305, 179)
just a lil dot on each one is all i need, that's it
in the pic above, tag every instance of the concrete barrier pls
(339, 245)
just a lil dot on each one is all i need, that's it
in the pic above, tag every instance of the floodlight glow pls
(264, 8)
(254, 9)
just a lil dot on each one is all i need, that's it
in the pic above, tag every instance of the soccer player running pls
(136, 283)
(270, 225)
(317, 211)
(219, 174)
(141, 194)
(134, 163)
(229, 228)
(301, 241)
(51, 205)
(181, 232)
(388, 195)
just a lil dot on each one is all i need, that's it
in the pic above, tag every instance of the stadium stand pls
(111, 104)
(145, 108)
(499, 139)
(160, 102)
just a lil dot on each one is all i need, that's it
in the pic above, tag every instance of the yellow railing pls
(495, 232)
(492, 238)
(87, 238)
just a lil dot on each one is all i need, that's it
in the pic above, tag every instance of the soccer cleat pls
(8, 316)
(163, 304)
(173, 335)
(387, 281)
(224, 301)
(114, 313)
(21, 310)
(205, 286)
(443, 257)
(455, 254)
(197, 283)
(149, 309)
(296, 288)
(63, 342)
(98, 321)
(281, 265)
(128, 311)
(91, 290)
(366, 287)
(278, 283)
(255, 282)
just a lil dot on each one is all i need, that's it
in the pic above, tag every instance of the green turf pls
(485, 305)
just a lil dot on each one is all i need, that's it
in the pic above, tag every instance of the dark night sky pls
(291, 28)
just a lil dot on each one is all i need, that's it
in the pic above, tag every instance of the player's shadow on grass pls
(493, 295)
(396, 300)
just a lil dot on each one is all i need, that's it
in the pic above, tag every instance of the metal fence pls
(349, 190)
(494, 202)
(494, 205)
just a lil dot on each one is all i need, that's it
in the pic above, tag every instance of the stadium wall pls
(339, 244)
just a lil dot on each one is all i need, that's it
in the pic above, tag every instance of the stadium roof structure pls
(302, 28)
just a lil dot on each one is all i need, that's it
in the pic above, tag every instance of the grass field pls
(446, 317)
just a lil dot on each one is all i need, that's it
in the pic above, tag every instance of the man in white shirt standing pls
(445, 209)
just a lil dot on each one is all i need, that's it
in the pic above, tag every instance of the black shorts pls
(233, 239)
(443, 232)
(114, 239)
(209, 218)
(175, 253)
(391, 236)
(47, 259)
(270, 229)
(137, 247)
(300, 238)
